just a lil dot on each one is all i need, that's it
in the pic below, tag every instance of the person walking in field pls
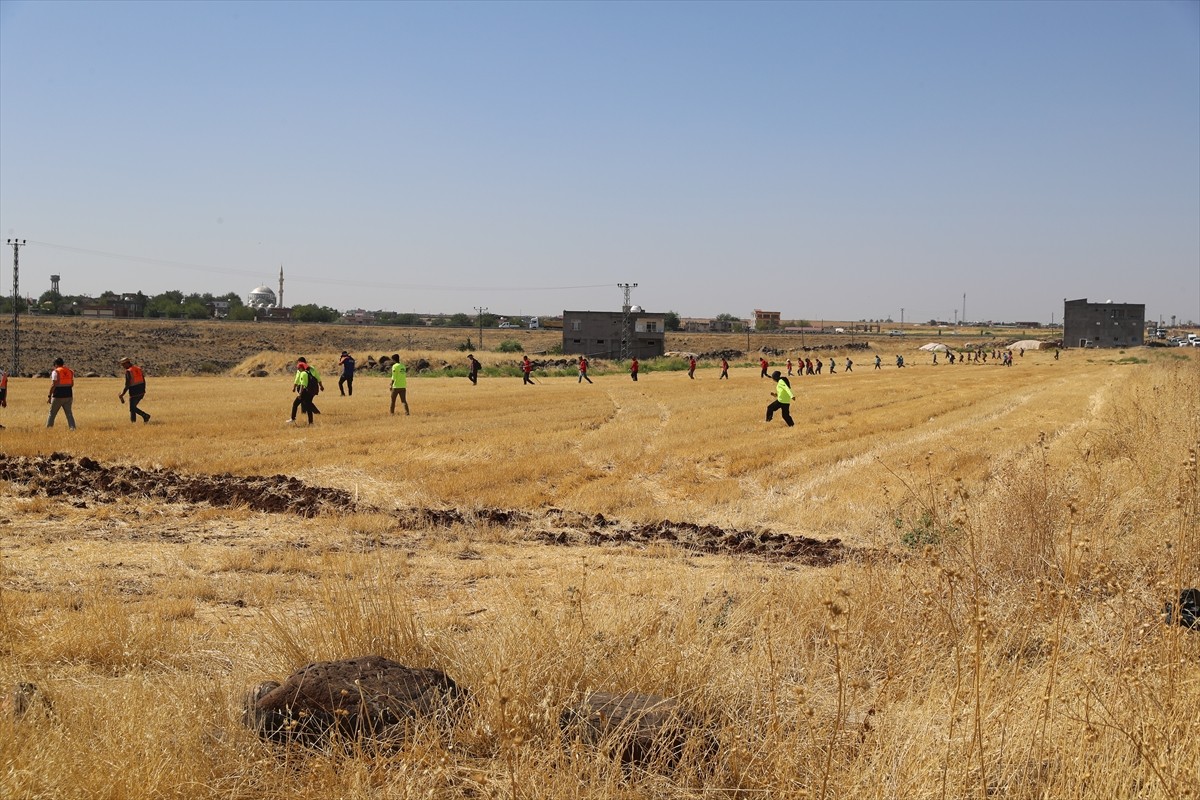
(473, 369)
(400, 383)
(526, 368)
(878, 361)
(762, 362)
(849, 365)
(724, 369)
(692, 368)
(583, 365)
(62, 384)
(808, 365)
(832, 365)
(818, 364)
(783, 399)
(346, 381)
(789, 366)
(135, 385)
(306, 385)
(633, 369)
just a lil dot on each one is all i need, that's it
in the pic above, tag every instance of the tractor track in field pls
(83, 482)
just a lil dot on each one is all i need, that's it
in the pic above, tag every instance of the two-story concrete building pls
(598, 334)
(1103, 324)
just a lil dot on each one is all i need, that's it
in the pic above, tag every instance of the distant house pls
(219, 309)
(1103, 324)
(696, 324)
(598, 334)
(123, 306)
(359, 316)
(767, 320)
(272, 314)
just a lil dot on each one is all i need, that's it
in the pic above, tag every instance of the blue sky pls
(826, 160)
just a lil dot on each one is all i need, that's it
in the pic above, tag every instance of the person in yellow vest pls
(783, 399)
(135, 385)
(399, 383)
(62, 384)
(306, 385)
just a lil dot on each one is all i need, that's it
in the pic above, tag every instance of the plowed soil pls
(86, 481)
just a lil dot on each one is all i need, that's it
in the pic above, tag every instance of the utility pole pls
(964, 316)
(16, 245)
(625, 311)
(902, 319)
(482, 310)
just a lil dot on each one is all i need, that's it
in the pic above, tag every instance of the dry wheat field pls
(943, 582)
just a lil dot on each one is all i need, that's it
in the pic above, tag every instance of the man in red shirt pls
(526, 368)
(633, 369)
(692, 368)
(724, 369)
(762, 362)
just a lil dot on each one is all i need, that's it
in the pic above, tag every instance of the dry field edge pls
(997, 629)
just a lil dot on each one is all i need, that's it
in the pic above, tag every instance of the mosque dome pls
(262, 297)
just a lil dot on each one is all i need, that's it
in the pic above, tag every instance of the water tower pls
(54, 283)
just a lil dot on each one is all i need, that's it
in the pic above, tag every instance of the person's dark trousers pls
(134, 411)
(304, 401)
(348, 383)
(474, 378)
(634, 375)
(526, 375)
(784, 409)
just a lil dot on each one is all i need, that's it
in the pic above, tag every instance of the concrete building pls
(767, 320)
(1103, 324)
(597, 334)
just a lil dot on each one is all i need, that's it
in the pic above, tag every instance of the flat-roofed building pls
(1103, 324)
(598, 334)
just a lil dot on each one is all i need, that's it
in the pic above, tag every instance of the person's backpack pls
(314, 385)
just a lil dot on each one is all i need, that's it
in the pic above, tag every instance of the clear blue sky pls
(826, 160)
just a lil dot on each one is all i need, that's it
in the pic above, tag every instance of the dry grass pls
(1041, 515)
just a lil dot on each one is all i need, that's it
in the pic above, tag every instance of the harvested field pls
(943, 582)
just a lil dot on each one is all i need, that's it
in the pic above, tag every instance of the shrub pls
(510, 346)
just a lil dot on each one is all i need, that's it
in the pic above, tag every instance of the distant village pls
(630, 329)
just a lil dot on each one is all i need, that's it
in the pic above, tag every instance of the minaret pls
(280, 286)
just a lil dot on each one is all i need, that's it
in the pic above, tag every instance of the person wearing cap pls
(783, 399)
(346, 362)
(135, 385)
(473, 369)
(306, 385)
(62, 383)
(399, 383)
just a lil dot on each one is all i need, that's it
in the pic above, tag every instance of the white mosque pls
(264, 296)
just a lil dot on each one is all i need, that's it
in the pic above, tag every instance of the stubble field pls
(943, 582)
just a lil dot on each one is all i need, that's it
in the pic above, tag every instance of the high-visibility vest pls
(783, 392)
(136, 376)
(63, 379)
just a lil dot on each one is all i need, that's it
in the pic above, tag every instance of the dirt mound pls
(84, 481)
(87, 481)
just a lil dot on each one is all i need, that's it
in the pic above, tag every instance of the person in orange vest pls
(135, 385)
(62, 382)
(633, 369)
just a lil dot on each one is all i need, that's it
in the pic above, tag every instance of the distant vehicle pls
(1160, 333)
(534, 324)
(895, 333)
(508, 325)
(839, 330)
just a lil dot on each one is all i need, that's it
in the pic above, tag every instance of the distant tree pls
(313, 313)
(243, 313)
(671, 320)
(461, 320)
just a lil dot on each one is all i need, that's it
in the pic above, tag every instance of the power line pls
(309, 279)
